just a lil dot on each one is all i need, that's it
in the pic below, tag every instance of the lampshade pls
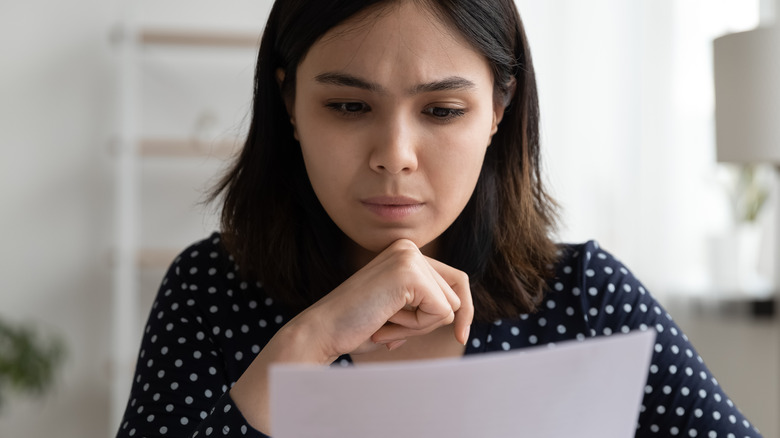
(747, 96)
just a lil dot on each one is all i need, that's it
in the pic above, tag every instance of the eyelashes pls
(357, 109)
(443, 113)
(348, 109)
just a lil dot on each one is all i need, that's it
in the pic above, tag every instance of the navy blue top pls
(207, 325)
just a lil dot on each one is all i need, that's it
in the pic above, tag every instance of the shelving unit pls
(130, 258)
(196, 38)
(181, 147)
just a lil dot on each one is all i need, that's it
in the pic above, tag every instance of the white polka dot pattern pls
(207, 325)
(204, 329)
(681, 397)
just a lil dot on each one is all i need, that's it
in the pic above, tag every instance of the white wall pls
(55, 122)
(627, 107)
(58, 112)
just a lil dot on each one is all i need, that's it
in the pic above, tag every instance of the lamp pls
(747, 105)
(747, 96)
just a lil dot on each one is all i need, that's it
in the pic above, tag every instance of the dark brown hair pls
(279, 234)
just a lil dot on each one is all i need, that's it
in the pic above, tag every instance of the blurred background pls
(115, 117)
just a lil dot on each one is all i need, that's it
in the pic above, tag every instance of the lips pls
(392, 207)
(391, 200)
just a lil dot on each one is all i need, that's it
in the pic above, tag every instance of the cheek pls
(330, 164)
(323, 167)
(459, 156)
(319, 145)
(455, 175)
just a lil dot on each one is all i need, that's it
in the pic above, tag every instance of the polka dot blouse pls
(207, 325)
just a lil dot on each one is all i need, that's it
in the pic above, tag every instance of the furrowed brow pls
(347, 80)
(453, 83)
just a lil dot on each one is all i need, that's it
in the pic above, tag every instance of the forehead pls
(405, 39)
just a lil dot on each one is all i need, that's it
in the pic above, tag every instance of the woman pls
(388, 205)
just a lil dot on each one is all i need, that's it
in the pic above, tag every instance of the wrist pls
(299, 342)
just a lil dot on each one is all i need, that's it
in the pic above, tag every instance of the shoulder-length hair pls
(279, 234)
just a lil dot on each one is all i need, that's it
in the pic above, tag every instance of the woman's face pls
(394, 112)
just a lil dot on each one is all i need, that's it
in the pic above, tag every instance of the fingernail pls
(395, 344)
(466, 333)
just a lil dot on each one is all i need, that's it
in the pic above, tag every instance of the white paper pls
(591, 388)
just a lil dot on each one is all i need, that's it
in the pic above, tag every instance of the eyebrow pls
(451, 83)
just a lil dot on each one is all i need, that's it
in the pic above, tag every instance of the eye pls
(444, 114)
(348, 109)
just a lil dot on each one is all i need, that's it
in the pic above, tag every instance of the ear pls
(500, 105)
(280, 75)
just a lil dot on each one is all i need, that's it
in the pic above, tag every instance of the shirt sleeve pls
(682, 397)
(180, 387)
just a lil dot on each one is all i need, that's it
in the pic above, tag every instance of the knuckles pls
(406, 256)
(412, 268)
(462, 278)
(404, 245)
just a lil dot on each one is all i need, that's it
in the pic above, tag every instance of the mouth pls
(393, 207)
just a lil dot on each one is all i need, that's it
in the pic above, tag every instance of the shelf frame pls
(197, 38)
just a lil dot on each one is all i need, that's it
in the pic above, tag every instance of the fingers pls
(444, 285)
(391, 333)
(432, 302)
(452, 305)
(419, 319)
(397, 295)
(395, 344)
(458, 282)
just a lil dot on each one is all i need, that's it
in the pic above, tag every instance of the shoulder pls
(204, 266)
(609, 294)
(593, 294)
(204, 296)
(590, 294)
(590, 270)
(205, 279)
(207, 255)
(206, 273)
(588, 259)
(201, 278)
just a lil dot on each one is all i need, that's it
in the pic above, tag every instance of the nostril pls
(393, 160)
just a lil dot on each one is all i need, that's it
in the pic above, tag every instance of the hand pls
(399, 294)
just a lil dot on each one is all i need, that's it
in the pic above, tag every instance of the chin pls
(377, 245)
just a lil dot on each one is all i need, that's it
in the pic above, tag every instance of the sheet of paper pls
(588, 388)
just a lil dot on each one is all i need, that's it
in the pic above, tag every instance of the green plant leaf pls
(27, 362)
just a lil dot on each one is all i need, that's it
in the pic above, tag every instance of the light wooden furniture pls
(132, 149)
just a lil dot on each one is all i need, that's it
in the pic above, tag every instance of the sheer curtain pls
(627, 106)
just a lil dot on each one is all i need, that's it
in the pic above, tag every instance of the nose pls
(395, 148)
